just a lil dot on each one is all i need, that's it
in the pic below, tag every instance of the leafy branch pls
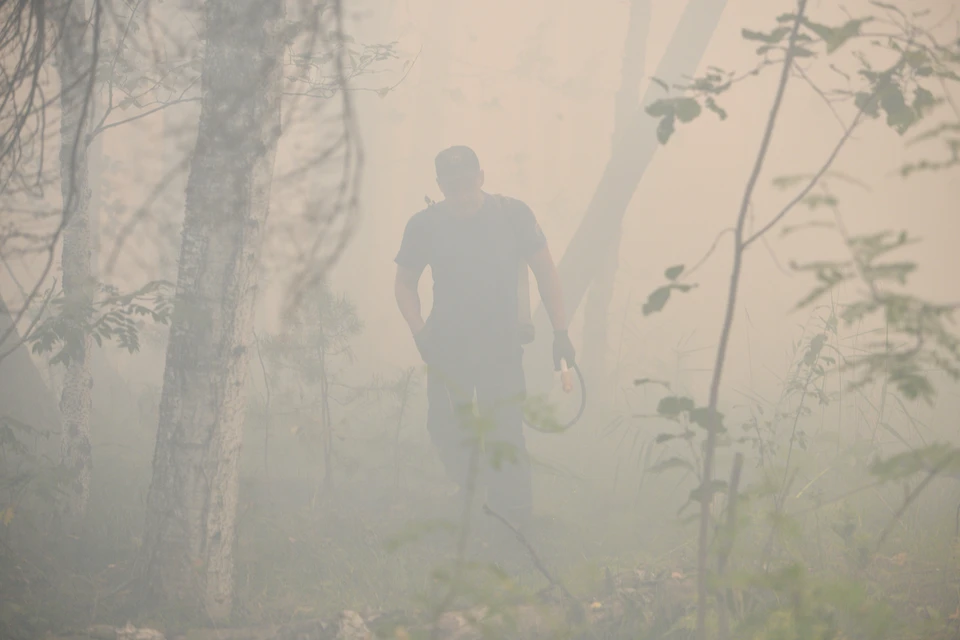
(114, 317)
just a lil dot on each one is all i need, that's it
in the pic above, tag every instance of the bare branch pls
(810, 185)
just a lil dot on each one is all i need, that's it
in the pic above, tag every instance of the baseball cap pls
(456, 161)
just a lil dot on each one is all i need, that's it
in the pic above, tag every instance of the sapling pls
(916, 56)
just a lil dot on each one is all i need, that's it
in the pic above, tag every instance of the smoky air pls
(438, 319)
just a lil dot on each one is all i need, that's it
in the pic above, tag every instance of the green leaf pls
(802, 52)
(658, 298)
(837, 37)
(815, 200)
(783, 182)
(656, 301)
(701, 416)
(661, 83)
(948, 74)
(673, 272)
(711, 104)
(687, 109)
(923, 100)
(943, 456)
(773, 37)
(642, 381)
(867, 103)
(667, 110)
(912, 385)
(899, 115)
(664, 437)
(666, 128)
(660, 108)
(672, 406)
(917, 59)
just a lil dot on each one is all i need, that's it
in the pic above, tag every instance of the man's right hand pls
(563, 349)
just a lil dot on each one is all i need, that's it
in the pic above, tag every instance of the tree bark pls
(191, 504)
(629, 157)
(75, 63)
(596, 321)
(179, 134)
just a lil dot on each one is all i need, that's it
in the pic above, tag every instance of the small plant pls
(306, 363)
(902, 89)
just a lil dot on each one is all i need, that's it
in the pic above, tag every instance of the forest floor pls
(355, 564)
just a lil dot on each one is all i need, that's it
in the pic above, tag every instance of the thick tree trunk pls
(191, 505)
(179, 132)
(629, 158)
(75, 63)
(596, 320)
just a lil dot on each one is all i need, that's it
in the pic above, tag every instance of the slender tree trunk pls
(739, 245)
(75, 62)
(596, 312)
(629, 158)
(191, 505)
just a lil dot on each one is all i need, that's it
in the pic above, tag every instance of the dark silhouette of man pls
(477, 245)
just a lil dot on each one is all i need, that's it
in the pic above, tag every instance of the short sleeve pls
(413, 252)
(529, 234)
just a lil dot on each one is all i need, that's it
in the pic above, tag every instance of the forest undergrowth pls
(843, 550)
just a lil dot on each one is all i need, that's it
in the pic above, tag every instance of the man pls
(476, 244)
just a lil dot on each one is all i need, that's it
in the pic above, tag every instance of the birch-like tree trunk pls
(191, 504)
(596, 321)
(630, 155)
(75, 64)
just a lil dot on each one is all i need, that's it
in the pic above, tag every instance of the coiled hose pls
(583, 404)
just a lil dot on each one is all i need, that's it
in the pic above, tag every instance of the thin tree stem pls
(733, 495)
(739, 246)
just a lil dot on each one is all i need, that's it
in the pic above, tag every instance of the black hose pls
(576, 418)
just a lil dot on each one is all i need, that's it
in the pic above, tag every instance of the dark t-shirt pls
(475, 261)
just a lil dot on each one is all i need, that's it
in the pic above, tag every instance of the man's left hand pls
(563, 350)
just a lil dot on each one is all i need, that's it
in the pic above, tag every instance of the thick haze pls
(324, 460)
(531, 87)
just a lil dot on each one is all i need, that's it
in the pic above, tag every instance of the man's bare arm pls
(408, 297)
(548, 282)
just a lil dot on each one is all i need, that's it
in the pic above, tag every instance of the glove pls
(562, 350)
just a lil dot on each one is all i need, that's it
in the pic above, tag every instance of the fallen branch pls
(533, 554)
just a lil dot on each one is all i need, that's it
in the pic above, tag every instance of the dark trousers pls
(489, 442)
